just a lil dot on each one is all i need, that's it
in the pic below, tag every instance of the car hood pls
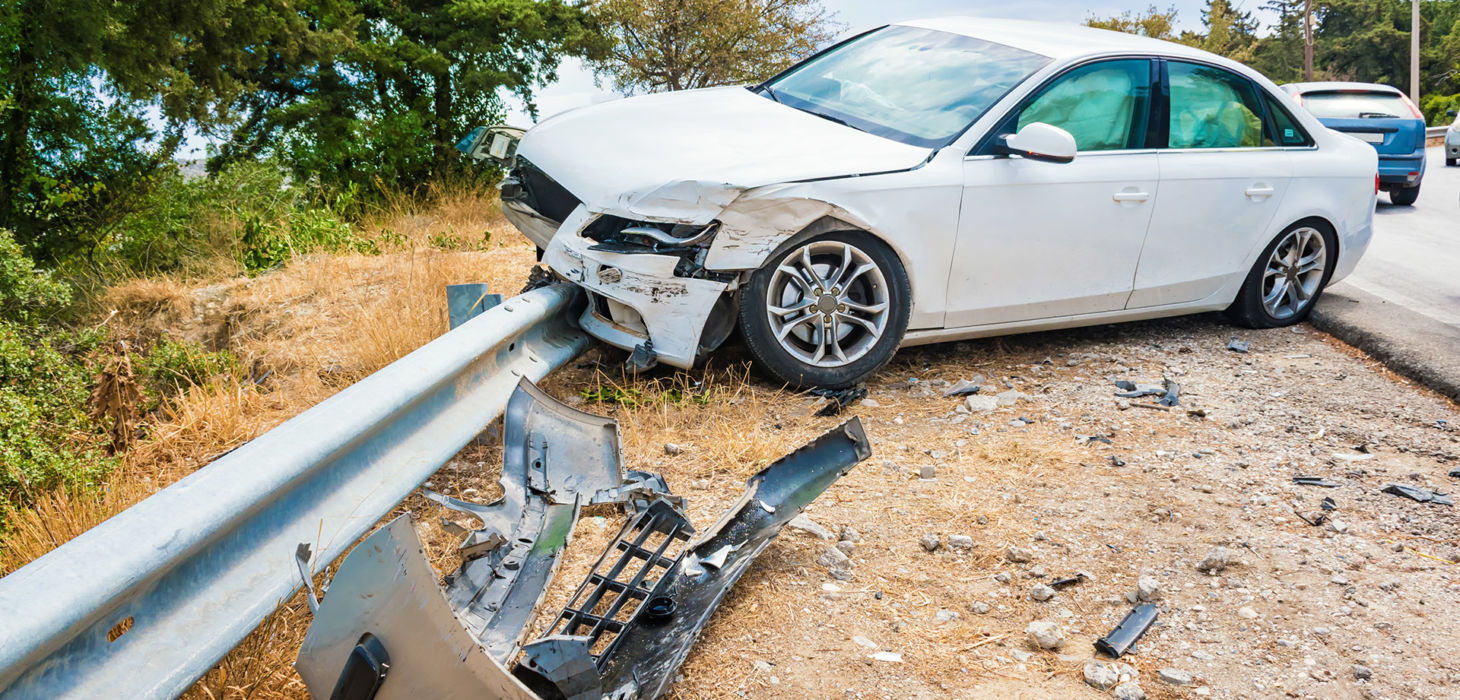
(684, 156)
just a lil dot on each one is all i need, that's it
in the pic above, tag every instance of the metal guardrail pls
(145, 603)
(1434, 132)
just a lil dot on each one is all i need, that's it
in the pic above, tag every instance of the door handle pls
(1128, 196)
(1260, 191)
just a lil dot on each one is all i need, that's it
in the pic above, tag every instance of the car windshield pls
(918, 86)
(1357, 105)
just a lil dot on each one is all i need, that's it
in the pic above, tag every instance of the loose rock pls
(978, 607)
(1362, 672)
(1147, 589)
(1129, 691)
(960, 542)
(1045, 634)
(672, 449)
(930, 542)
(981, 404)
(1175, 676)
(1018, 555)
(1100, 675)
(1003, 577)
(833, 558)
(810, 527)
(1041, 592)
(1217, 560)
(848, 534)
(944, 616)
(928, 471)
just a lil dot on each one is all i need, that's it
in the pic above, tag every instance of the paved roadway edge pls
(1410, 343)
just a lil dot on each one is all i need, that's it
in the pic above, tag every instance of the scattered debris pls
(642, 359)
(1173, 390)
(1455, 474)
(1131, 627)
(1238, 345)
(1169, 392)
(1420, 494)
(1066, 582)
(622, 650)
(840, 399)
(888, 656)
(1316, 481)
(1087, 439)
(538, 276)
(965, 387)
(1044, 634)
(1116, 461)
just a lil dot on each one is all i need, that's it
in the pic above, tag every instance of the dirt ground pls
(1363, 605)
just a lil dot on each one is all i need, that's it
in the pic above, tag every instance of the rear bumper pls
(1405, 170)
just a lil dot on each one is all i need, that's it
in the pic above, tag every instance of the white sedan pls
(938, 180)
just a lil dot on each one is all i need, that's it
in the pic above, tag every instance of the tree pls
(686, 44)
(376, 92)
(1152, 23)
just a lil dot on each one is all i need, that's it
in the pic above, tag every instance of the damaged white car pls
(938, 180)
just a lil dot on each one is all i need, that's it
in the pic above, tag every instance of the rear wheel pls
(826, 312)
(1288, 278)
(1404, 196)
(1450, 162)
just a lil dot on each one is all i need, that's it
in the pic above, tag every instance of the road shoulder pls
(1406, 341)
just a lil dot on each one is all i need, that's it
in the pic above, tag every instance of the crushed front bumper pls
(634, 297)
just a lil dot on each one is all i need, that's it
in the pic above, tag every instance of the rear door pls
(1222, 178)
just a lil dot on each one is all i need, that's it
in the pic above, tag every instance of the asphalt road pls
(1414, 259)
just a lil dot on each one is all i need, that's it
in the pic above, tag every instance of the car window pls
(1212, 108)
(918, 86)
(1356, 104)
(1103, 105)
(1285, 127)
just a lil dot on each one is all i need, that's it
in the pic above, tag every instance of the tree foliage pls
(1153, 23)
(685, 44)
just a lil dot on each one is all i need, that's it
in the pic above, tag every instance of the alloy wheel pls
(1293, 273)
(827, 303)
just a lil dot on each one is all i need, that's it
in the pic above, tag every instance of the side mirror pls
(1453, 113)
(1039, 141)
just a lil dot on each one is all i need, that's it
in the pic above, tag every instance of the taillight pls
(1376, 183)
(1413, 109)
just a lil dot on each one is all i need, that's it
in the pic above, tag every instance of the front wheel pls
(1287, 278)
(1450, 162)
(1404, 196)
(826, 312)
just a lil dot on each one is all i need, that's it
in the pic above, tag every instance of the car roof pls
(1336, 85)
(1060, 41)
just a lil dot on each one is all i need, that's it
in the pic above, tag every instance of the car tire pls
(1260, 304)
(788, 315)
(1450, 162)
(1404, 196)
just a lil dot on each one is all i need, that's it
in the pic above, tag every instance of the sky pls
(576, 86)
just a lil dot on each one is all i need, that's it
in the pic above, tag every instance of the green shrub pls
(250, 212)
(1437, 108)
(171, 367)
(27, 295)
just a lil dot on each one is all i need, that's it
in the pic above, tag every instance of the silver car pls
(1452, 141)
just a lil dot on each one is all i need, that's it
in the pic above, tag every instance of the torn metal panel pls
(386, 589)
(672, 310)
(632, 622)
(555, 459)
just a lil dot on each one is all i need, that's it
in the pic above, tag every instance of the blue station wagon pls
(1380, 115)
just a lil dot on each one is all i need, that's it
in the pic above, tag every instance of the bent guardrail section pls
(179, 579)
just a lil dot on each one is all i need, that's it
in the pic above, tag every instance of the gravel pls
(1174, 676)
(1100, 675)
(930, 542)
(1041, 592)
(960, 542)
(1018, 555)
(1129, 691)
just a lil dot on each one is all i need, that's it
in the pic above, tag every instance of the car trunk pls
(1384, 119)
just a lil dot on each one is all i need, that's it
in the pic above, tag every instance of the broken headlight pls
(619, 235)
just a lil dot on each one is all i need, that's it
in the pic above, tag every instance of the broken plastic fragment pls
(1237, 345)
(1124, 636)
(1315, 481)
(1416, 493)
(840, 399)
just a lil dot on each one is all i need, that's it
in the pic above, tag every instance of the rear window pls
(1356, 105)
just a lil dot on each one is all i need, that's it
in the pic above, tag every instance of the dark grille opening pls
(544, 194)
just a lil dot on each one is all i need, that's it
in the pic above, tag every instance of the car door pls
(1042, 240)
(1222, 180)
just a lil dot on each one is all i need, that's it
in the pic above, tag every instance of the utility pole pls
(1308, 40)
(1414, 51)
